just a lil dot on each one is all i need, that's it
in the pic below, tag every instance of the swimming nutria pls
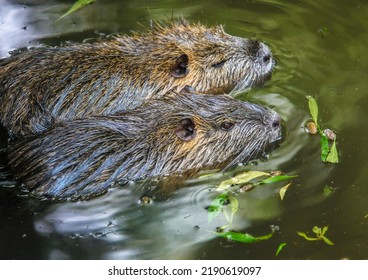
(169, 136)
(42, 85)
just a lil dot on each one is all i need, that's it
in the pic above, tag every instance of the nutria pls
(46, 84)
(169, 136)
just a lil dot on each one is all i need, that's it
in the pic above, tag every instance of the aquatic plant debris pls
(325, 147)
(77, 5)
(216, 206)
(234, 206)
(275, 179)
(228, 204)
(281, 246)
(248, 176)
(320, 235)
(283, 190)
(243, 237)
(333, 155)
(313, 109)
(328, 154)
(226, 198)
(241, 179)
(327, 190)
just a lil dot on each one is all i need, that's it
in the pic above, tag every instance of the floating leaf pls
(302, 234)
(320, 233)
(207, 175)
(313, 109)
(327, 154)
(241, 179)
(275, 179)
(333, 156)
(324, 230)
(327, 190)
(283, 190)
(216, 206)
(77, 5)
(327, 241)
(281, 246)
(234, 206)
(317, 230)
(243, 237)
(325, 149)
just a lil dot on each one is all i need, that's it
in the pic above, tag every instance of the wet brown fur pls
(45, 85)
(170, 136)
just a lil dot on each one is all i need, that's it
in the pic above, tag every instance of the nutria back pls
(171, 136)
(44, 85)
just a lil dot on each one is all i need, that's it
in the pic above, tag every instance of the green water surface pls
(321, 50)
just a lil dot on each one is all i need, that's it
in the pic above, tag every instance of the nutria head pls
(171, 136)
(207, 59)
(48, 85)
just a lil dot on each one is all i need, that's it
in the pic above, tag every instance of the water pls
(321, 51)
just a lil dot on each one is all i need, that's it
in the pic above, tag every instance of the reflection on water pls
(22, 23)
(320, 50)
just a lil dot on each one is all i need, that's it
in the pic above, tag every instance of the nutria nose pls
(275, 128)
(275, 122)
(264, 54)
(266, 58)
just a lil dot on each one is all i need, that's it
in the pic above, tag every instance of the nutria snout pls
(45, 85)
(178, 134)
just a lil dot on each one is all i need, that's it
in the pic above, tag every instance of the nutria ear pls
(185, 129)
(180, 68)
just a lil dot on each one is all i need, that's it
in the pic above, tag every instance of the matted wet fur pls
(171, 136)
(48, 84)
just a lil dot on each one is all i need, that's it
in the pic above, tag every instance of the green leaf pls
(327, 241)
(302, 234)
(283, 190)
(234, 206)
(324, 230)
(313, 109)
(281, 246)
(213, 212)
(327, 190)
(275, 179)
(77, 5)
(324, 147)
(243, 237)
(241, 179)
(320, 235)
(317, 230)
(209, 173)
(216, 206)
(333, 156)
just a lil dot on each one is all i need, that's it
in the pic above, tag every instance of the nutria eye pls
(218, 65)
(227, 125)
